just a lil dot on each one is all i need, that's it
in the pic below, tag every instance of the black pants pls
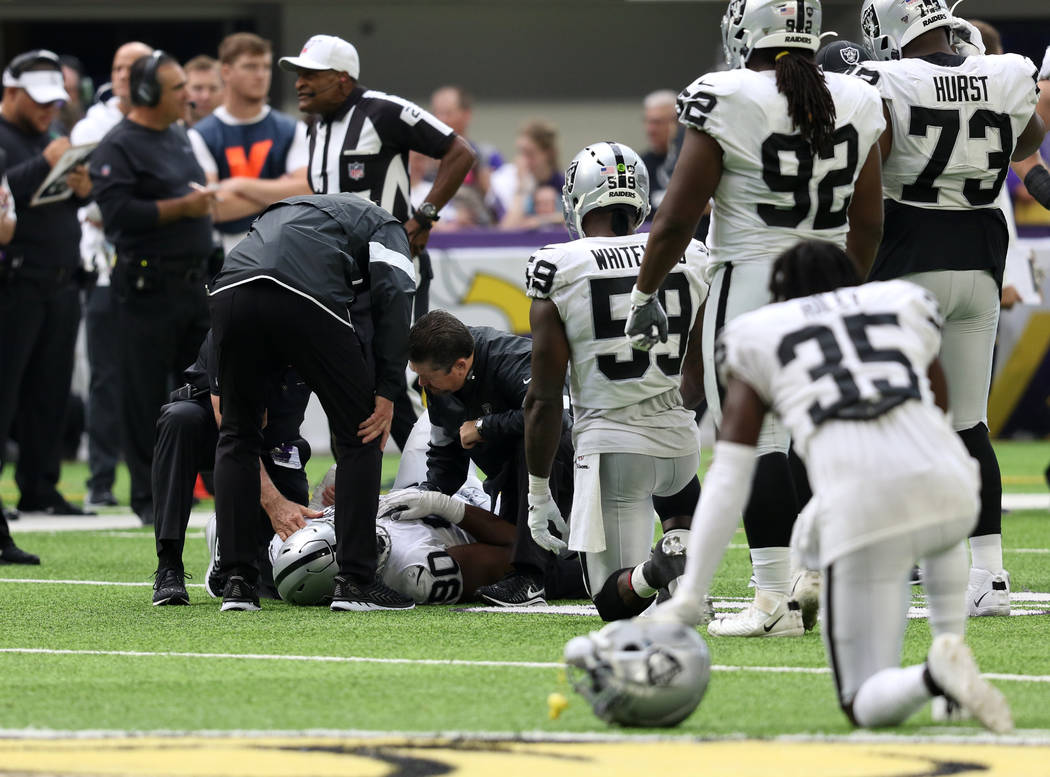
(103, 400)
(186, 439)
(512, 484)
(161, 332)
(259, 326)
(38, 331)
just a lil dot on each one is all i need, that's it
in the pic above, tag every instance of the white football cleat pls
(988, 593)
(951, 665)
(805, 589)
(769, 615)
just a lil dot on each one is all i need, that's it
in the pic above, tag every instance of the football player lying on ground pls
(434, 548)
(635, 443)
(852, 371)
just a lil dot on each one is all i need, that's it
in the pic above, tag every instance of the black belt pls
(56, 275)
(189, 268)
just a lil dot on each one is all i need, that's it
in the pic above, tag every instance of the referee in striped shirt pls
(359, 143)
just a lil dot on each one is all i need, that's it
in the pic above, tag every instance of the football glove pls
(966, 39)
(647, 321)
(410, 504)
(542, 511)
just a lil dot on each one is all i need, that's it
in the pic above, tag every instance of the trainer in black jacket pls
(283, 297)
(475, 380)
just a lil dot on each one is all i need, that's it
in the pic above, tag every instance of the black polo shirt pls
(134, 167)
(46, 236)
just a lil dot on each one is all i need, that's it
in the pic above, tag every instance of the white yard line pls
(42, 581)
(931, 735)
(433, 661)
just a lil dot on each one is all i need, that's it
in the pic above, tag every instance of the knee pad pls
(681, 504)
(611, 607)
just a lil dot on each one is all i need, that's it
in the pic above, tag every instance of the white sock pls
(890, 697)
(640, 585)
(987, 552)
(772, 567)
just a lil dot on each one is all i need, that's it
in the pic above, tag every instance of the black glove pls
(1037, 182)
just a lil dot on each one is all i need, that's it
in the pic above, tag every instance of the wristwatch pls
(477, 427)
(426, 214)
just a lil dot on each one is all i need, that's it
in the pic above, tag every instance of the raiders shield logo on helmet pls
(850, 55)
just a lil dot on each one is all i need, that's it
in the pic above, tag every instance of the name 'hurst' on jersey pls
(955, 121)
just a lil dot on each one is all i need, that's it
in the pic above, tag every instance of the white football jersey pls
(774, 190)
(954, 127)
(623, 400)
(419, 565)
(852, 354)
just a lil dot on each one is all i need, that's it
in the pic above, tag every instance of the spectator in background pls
(204, 87)
(455, 106)
(100, 314)
(259, 154)
(514, 185)
(661, 126)
(39, 298)
(79, 88)
(156, 211)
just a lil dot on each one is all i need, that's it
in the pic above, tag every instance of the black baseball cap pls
(840, 56)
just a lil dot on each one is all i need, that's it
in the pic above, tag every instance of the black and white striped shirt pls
(363, 148)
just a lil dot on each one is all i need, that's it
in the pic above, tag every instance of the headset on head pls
(147, 93)
(23, 62)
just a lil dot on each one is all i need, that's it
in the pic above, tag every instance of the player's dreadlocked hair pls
(811, 267)
(809, 101)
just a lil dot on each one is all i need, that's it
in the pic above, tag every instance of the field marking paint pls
(815, 670)
(930, 735)
(43, 581)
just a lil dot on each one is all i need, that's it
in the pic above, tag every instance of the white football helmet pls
(640, 672)
(759, 24)
(890, 25)
(603, 174)
(304, 567)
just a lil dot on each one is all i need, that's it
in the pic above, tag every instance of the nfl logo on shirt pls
(356, 170)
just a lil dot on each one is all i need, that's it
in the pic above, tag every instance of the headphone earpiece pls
(147, 93)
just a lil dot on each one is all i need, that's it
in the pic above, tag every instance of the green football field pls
(441, 690)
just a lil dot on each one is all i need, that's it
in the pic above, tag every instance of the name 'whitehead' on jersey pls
(624, 400)
(955, 124)
(851, 354)
(774, 190)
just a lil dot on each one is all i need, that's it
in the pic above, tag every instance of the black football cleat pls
(351, 596)
(170, 587)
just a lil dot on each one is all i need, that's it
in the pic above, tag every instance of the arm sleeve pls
(114, 188)
(202, 153)
(25, 178)
(726, 488)
(447, 467)
(392, 287)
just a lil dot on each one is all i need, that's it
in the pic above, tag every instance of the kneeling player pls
(852, 371)
(635, 442)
